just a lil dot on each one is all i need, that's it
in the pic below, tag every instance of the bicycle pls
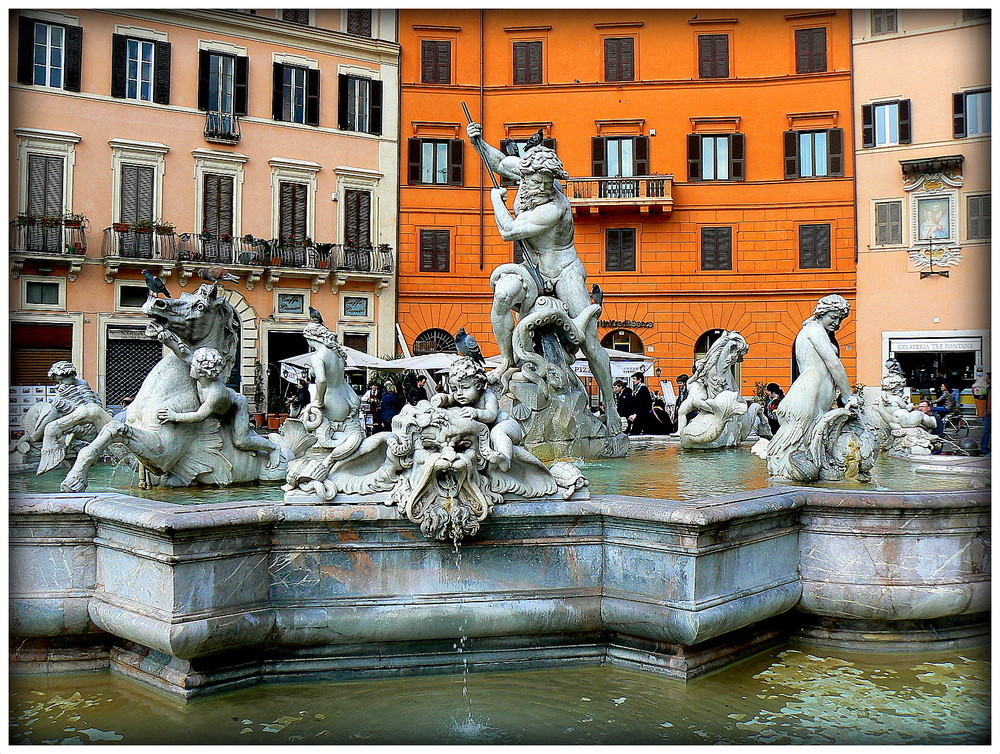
(957, 425)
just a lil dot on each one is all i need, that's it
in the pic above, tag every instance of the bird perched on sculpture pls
(217, 274)
(597, 295)
(535, 139)
(315, 316)
(467, 346)
(155, 285)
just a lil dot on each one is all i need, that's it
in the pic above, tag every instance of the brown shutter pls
(137, 193)
(359, 22)
(520, 62)
(161, 73)
(737, 156)
(357, 217)
(612, 253)
(25, 50)
(343, 82)
(882, 223)
(241, 85)
(959, 122)
(611, 59)
(905, 121)
(641, 155)
(627, 59)
(218, 204)
(443, 251)
(791, 154)
(810, 50)
(835, 146)
(428, 58)
(895, 222)
(535, 62)
(694, 157)
(456, 154)
(599, 156)
(426, 252)
(312, 97)
(807, 250)
(867, 125)
(278, 92)
(119, 59)
(74, 58)
(444, 62)
(204, 66)
(413, 161)
(375, 107)
(713, 56)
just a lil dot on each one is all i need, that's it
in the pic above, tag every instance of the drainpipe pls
(482, 119)
(399, 168)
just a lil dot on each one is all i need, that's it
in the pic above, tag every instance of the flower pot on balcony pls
(25, 221)
(164, 230)
(121, 227)
(73, 223)
(143, 230)
(79, 248)
(322, 263)
(258, 419)
(50, 222)
(275, 261)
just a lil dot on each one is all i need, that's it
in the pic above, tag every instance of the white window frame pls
(219, 163)
(965, 230)
(306, 294)
(358, 179)
(40, 317)
(284, 170)
(50, 46)
(889, 124)
(720, 162)
(968, 121)
(357, 327)
(119, 307)
(139, 80)
(352, 318)
(143, 153)
(50, 143)
(60, 282)
(813, 152)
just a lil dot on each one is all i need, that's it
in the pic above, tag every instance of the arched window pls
(434, 340)
(623, 340)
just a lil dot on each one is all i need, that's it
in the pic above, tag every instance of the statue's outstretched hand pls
(475, 130)
(499, 193)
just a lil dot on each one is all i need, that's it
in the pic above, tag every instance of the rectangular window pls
(620, 250)
(132, 296)
(45, 199)
(888, 223)
(435, 62)
(436, 161)
(814, 246)
(619, 59)
(295, 16)
(717, 248)
(293, 94)
(217, 217)
(221, 83)
(49, 54)
(814, 154)
(716, 157)
(136, 206)
(359, 22)
(357, 218)
(139, 70)
(291, 303)
(360, 106)
(810, 50)
(972, 113)
(884, 22)
(621, 157)
(45, 294)
(355, 306)
(713, 56)
(527, 62)
(885, 123)
(293, 211)
(435, 250)
(979, 216)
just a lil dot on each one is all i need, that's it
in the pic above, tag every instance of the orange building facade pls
(709, 156)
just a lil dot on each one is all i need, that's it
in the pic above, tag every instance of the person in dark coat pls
(774, 396)
(418, 392)
(642, 404)
(623, 401)
(391, 405)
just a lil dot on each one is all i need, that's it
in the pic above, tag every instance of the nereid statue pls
(815, 439)
(902, 430)
(725, 419)
(555, 315)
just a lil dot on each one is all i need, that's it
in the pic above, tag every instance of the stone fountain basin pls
(209, 596)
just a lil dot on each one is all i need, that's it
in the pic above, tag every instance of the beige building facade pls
(922, 125)
(261, 141)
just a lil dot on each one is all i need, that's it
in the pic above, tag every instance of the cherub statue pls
(207, 365)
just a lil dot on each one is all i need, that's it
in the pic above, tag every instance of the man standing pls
(642, 404)
(418, 392)
(543, 222)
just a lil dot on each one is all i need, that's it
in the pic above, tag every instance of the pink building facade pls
(261, 141)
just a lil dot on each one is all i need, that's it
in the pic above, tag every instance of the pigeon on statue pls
(597, 295)
(155, 285)
(467, 346)
(315, 316)
(217, 274)
(535, 139)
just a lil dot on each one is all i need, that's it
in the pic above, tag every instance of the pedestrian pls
(980, 391)
(391, 405)
(418, 392)
(984, 443)
(371, 404)
(302, 396)
(924, 407)
(660, 422)
(623, 402)
(944, 404)
(642, 404)
(682, 394)
(120, 416)
(774, 396)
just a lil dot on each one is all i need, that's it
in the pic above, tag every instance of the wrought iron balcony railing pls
(258, 252)
(222, 128)
(48, 238)
(365, 258)
(122, 240)
(638, 189)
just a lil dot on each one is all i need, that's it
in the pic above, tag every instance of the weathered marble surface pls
(210, 596)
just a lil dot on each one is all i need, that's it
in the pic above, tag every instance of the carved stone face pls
(831, 321)
(465, 392)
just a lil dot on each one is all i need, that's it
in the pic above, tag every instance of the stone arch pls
(624, 340)
(433, 340)
(248, 349)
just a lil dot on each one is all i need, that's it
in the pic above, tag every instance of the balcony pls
(48, 241)
(127, 245)
(222, 128)
(644, 193)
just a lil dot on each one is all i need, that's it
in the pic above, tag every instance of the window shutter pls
(312, 97)
(413, 161)
(724, 249)
(705, 51)
(426, 256)
(721, 56)
(835, 142)
(905, 129)
(535, 62)
(74, 58)
(136, 193)
(36, 185)
(737, 156)
(119, 54)
(218, 204)
(456, 153)
(443, 63)
(343, 105)
(241, 81)
(204, 65)
(286, 201)
(807, 254)
(611, 56)
(708, 255)
(365, 218)
(45, 178)
(641, 155)
(823, 246)
(791, 154)
(867, 126)
(895, 224)
(520, 62)
(161, 73)
(278, 91)
(144, 194)
(359, 22)
(959, 103)
(810, 50)
(299, 218)
(819, 50)
(713, 56)
(882, 224)
(443, 251)
(428, 60)
(25, 50)
(627, 59)
(599, 154)
(694, 157)
(357, 217)
(612, 252)
(549, 143)
(628, 249)
(375, 107)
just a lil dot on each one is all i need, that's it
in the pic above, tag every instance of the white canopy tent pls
(623, 364)
(297, 367)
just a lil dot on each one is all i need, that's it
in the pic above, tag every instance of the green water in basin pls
(654, 468)
(791, 695)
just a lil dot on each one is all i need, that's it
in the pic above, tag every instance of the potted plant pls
(121, 227)
(276, 250)
(75, 220)
(25, 219)
(143, 226)
(50, 222)
(164, 228)
(323, 255)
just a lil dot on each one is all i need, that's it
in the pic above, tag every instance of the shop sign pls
(629, 323)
